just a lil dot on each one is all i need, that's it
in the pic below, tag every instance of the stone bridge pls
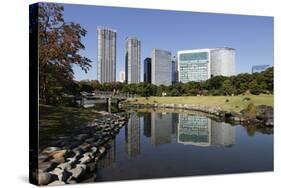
(89, 99)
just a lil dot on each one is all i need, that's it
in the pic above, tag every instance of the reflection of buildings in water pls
(202, 131)
(161, 128)
(222, 134)
(194, 130)
(109, 158)
(175, 121)
(147, 125)
(132, 136)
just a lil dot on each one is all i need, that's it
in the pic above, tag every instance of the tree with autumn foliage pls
(59, 43)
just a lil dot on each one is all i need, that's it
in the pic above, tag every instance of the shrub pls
(245, 99)
(250, 111)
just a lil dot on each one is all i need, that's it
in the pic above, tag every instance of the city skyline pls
(249, 35)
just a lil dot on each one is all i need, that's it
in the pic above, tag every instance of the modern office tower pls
(222, 134)
(259, 68)
(223, 61)
(132, 136)
(147, 125)
(161, 67)
(194, 130)
(122, 76)
(161, 128)
(194, 65)
(174, 70)
(147, 70)
(201, 64)
(106, 67)
(133, 60)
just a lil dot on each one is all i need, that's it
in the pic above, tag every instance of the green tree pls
(227, 87)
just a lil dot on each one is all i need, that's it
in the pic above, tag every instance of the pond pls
(166, 144)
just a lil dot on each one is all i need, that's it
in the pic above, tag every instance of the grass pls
(57, 121)
(227, 103)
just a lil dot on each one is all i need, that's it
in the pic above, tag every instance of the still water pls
(156, 145)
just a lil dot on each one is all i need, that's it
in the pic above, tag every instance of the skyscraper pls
(106, 67)
(161, 67)
(147, 70)
(201, 64)
(223, 61)
(259, 68)
(132, 60)
(174, 70)
(122, 76)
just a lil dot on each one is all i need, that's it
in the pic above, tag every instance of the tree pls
(59, 44)
(227, 87)
(254, 87)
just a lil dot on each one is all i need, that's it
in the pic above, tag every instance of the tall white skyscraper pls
(133, 60)
(106, 67)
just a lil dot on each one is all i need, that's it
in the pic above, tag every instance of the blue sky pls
(251, 36)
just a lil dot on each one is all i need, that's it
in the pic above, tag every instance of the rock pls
(47, 166)
(78, 151)
(45, 178)
(57, 182)
(64, 166)
(64, 176)
(58, 154)
(269, 122)
(91, 166)
(43, 157)
(102, 150)
(71, 181)
(84, 147)
(57, 171)
(74, 144)
(94, 149)
(50, 150)
(81, 137)
(91, 179)
(78, 171)
(58, 160)
(85, 159)
(71, 161)
(91, 140)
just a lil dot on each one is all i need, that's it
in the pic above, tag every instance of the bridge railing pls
(108, 94)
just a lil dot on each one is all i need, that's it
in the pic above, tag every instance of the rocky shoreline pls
(263, 115)
(69, 159)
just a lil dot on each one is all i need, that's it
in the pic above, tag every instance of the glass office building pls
(200, 64)
(147, 70)
(194, 65)
(259, 68)
(161, 67)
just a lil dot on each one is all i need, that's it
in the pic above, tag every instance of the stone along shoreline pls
(73, 158)
(263, 114)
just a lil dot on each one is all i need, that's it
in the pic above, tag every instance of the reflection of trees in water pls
(252, 129)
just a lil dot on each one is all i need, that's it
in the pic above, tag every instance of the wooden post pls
(108, 100)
